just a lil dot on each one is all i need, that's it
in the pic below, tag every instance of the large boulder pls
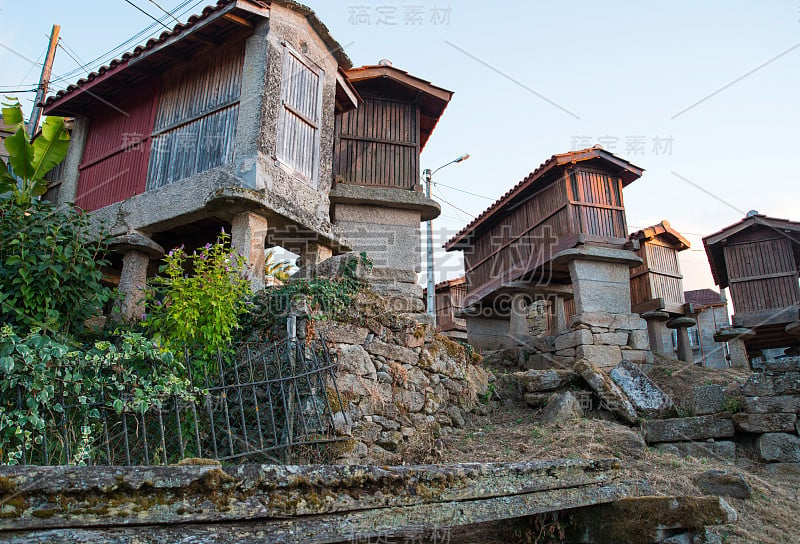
(645, 396)
(561, 407)
(611, 395)
(536, 381)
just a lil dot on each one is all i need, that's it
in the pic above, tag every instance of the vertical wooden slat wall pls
(114, 162)
(377, 145)
(299, 118)
(762, 275)
(195, 123)
(597, 202)
(524, 236)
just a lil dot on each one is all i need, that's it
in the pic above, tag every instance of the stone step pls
(682, 429)
(276, 504)
(722, 450)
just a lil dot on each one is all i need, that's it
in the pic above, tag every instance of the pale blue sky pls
(624, 69)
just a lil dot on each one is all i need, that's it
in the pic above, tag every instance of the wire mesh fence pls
(262, 402)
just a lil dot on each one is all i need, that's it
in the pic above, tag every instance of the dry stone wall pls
(402, 386)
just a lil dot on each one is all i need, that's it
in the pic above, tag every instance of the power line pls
(440, 197)
(463, 191)
(143, 11)
(165, 11)
(147, 32)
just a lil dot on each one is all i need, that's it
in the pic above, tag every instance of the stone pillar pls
(518, 326)
(248, 238)
(137, 250)
(601, 286)
(682, 324)
(132, 281)
(314, 253)
(559, 315)
(737, 351)
(655, 330)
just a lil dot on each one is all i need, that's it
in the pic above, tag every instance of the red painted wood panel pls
(114, 165)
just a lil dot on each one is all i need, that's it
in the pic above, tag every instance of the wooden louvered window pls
(300, 115)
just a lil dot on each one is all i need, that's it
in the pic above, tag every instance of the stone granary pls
(710, 310)
(240, 119)
(657, 288)
(757, 260)
(449, 300)
(559, 234)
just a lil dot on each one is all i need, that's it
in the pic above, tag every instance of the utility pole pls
(431, 284)
(44, 81)
(431, 298)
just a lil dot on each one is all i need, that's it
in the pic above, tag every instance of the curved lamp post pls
(431, 286)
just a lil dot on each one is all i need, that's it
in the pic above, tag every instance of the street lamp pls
(431, 294)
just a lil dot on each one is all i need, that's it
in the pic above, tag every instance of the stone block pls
(628, 322)
(612, 396)
(600, 356)
(723, 482)
(600, 286)
(707, 399)
(687, 428)
(787, 383)
(637, 356)
(592, 319)
(570, 352)
(393, 352)
(611, 338)
(639, 339)
(724, 450)
(561, 407)
(759, 385)
(645, 396)
(784, 364)
(780, 447)
(536, 381)
(766, 405)
(335, 332)
(764, 423)
(353, 358)
(573, 339)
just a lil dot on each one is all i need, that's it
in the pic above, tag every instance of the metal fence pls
(269, 402)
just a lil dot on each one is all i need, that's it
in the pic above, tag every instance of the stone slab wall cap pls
(594, 253)
(731, 333)
(656, 315)
(135, 241)
(346, 193)
(793, 328)
(683, 321)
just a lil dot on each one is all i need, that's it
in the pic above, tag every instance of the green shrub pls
(197, 300)
(50, 263)
(326, 298)
(44, 382)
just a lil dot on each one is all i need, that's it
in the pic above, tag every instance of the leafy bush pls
(49, 267)
(44, 383)
(28, 162)
(197, 301)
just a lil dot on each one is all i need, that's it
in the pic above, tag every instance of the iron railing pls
(266, 402)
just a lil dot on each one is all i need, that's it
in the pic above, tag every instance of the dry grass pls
(510, 432)
(677, 378)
